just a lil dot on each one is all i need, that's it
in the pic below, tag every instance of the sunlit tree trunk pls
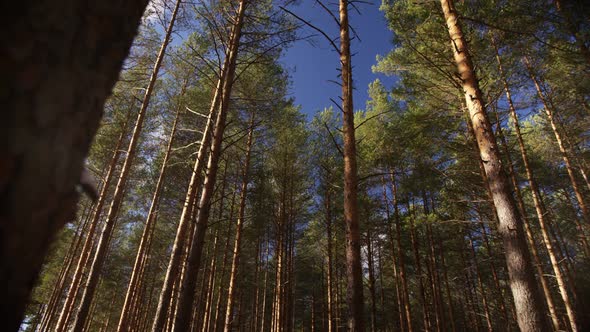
(184, 225)
(143, 249)
(529, 234)
(549, 109)
(524, 289)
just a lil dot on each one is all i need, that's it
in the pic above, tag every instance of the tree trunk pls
(239, 226)
(417, 260)
(371, 266)
(524, 290)
(184, 224)
(530, 238)
(447, 287)
(143, 249)
(401, 254)
(570, 171)
(330, 276)
(194, 258)
(354, 293)
(484, 298)
(398, 292)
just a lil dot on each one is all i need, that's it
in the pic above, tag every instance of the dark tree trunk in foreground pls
(60, 60)
(527, 300)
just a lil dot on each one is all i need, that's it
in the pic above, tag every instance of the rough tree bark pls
(60, 60)
(524, 289)
(354, 294)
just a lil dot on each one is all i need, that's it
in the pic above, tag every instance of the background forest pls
(221, 203)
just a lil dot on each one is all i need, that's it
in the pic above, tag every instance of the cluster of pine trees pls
(456, 200)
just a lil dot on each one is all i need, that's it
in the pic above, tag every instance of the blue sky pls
(312, 66)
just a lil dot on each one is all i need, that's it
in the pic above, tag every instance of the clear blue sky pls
(312, 66)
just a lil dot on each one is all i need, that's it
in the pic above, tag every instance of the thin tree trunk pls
(524, 290)
(219, 314)
(371, 266)
(401, 255)
(471, 298)
(239, 226)
(484, 298)
(330, 277)
(211, 281)
(398, 292)
(264, 288)
(570, 171)
(417, 261)
(447, 287)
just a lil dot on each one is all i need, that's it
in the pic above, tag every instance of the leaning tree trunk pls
(522, 282)
(142, 251)
(354, 294)
(58, 73)
(103, 242)
(182, 321)
(541, 215)
(184, 225)
(239, 226)
(519, 199)
(566, 160)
